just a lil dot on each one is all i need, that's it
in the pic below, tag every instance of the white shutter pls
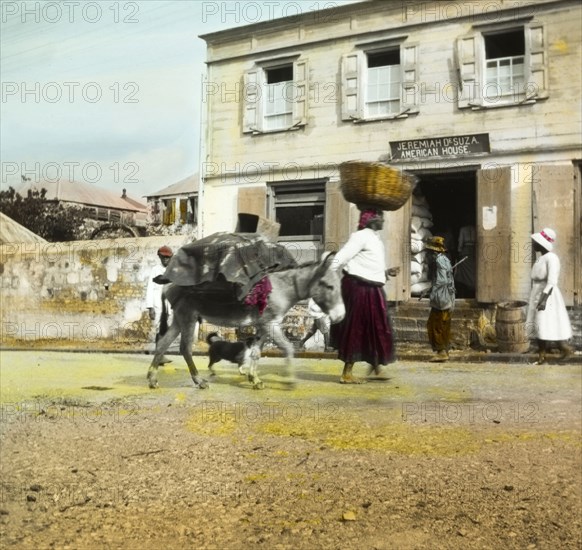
(468, 58)
(301, 92)
(410, 91)
(252, 100)
(352, 97)
(537, 57)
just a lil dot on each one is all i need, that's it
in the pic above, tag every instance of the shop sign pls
(452, 146)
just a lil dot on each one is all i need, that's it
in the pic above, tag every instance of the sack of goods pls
(375, 185)
(420, 224)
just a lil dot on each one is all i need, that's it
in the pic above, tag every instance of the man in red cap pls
(154, 298)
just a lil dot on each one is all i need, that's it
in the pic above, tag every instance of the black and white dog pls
(244, 354)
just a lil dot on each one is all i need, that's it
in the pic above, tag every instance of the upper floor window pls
(383, 83)
(275, 95)
(380, 83)
(504, 62)
(278, 106)
(502, 66)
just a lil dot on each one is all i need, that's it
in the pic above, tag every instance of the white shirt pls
(154, 290)
(363, 256)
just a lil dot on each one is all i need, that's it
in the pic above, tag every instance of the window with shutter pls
(276, 96)
(380, 81)
(500, 65)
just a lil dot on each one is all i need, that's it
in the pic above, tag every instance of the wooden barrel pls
(510, 327)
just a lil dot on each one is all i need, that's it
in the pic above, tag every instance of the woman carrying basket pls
(365, 334)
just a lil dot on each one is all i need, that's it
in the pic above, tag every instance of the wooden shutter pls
(253, 200)
(301, 92)
(169, 211)
(352, 98)
(396, 237)
(410, 91)
(468, 58)
(494, 234)
(537, 62)
(553, 204)
(338, 214)
(183, 211)
(252, 100)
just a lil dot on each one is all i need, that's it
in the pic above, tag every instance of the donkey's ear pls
(327, 259)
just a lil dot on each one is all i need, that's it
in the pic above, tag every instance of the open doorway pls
(444, 203)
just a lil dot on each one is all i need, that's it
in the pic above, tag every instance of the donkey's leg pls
(186, 350)
(253, 375)
(162, 346)
(287, 347)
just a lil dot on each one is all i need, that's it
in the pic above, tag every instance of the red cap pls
(165, 251)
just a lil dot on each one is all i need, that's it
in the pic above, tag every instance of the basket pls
(373, 184)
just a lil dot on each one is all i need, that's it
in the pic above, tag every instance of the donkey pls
(316, 280)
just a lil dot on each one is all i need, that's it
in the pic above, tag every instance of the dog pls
(243, 354)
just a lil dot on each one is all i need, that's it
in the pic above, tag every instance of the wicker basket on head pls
(375, 184)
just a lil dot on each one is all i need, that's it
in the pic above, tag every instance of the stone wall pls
(78, 294)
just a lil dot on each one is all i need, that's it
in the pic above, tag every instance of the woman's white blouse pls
(363, 256)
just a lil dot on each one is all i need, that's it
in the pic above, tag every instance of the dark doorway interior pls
(451, 199)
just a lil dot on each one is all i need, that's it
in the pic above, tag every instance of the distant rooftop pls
(187, 186)
(84, 194)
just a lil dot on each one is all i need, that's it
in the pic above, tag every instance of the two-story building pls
(481, 101)
(174, 209)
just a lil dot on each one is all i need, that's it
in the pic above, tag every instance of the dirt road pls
(449, 456)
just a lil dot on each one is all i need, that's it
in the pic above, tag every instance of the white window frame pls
(395, 76)
(473, 89)
(256, 91)
(355, 80)
(516, 89)
(277, 101)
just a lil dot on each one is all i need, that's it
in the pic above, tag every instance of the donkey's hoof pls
(152, 382)
(201, 383)
(260, 385)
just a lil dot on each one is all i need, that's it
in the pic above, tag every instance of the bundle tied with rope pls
(375, 185)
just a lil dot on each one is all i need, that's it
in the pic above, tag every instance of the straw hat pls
(545, 238)
(435, 243)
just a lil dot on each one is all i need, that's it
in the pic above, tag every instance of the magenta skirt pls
(365, 334)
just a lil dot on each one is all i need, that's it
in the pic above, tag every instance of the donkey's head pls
(325, 289)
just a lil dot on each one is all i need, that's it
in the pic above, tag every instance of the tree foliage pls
(48, 219)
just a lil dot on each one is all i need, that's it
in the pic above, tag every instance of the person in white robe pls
(547, 317)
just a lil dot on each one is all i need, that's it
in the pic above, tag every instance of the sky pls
(108, 92)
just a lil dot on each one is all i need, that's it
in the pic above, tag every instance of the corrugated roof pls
(83, 193)
(187, 186)
(12, 232)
